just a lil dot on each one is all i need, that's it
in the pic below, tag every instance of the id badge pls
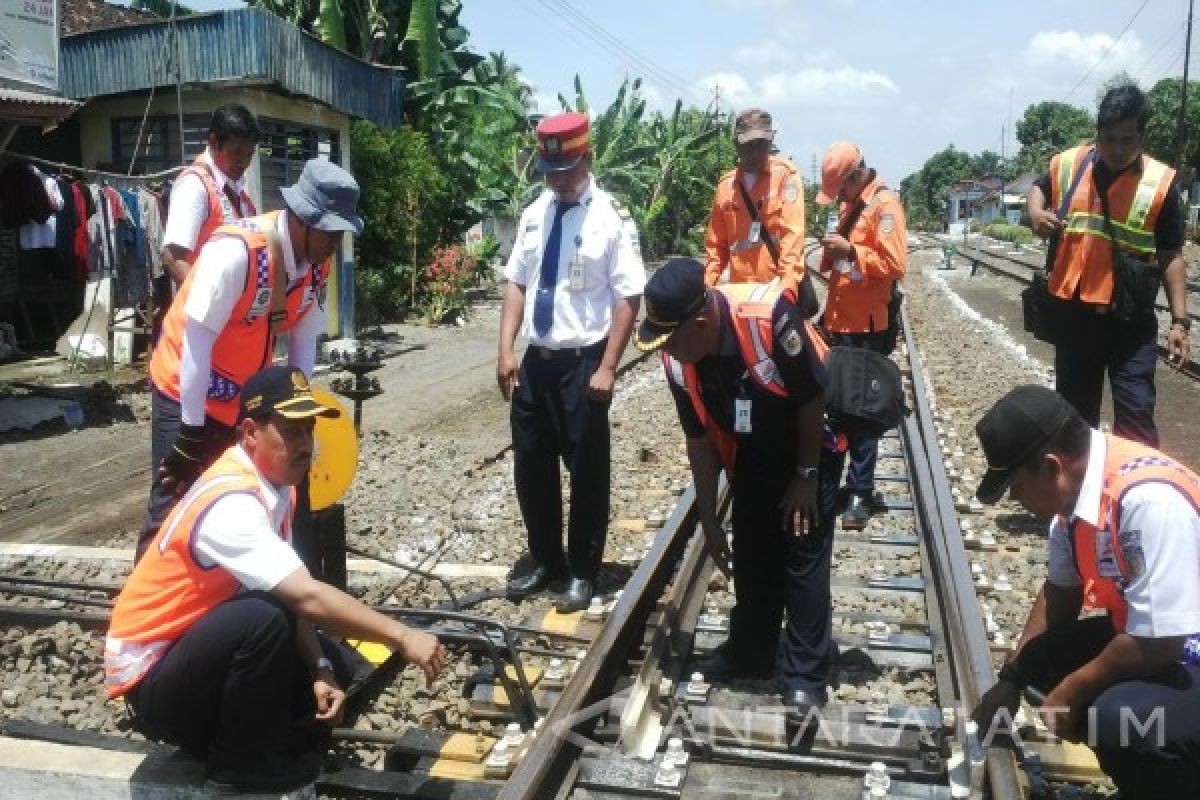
(575, 272)
(755, 231)
(741, 415)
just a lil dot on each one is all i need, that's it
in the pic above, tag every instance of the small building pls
(986, 200)
(149, 86)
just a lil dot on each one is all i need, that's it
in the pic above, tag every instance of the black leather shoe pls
(718, 667)
(530, 582)
(858, 511)
(801, 702)
(577, 597)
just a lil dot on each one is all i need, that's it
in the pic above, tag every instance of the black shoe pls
(577, 597)
(801, 702)
(879, 503)
(718, 667)
(269, 773)
(857, 512)
(530, 582)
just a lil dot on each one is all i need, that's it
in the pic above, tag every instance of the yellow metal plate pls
(335, 454)
(375, 653)
(562, 623)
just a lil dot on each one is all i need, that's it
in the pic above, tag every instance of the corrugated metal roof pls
(249, 46)
(35, 98)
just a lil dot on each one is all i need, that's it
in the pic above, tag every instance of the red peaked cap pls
(562, 140)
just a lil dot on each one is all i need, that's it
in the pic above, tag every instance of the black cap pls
(1018, 428)
(284, 391)
(673, 295)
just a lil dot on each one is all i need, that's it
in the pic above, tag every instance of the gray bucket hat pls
(325, 197)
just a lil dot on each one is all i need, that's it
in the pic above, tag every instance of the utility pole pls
(814, 169)
(1181, 142)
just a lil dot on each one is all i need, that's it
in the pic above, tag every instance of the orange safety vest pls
(1083, 263)
(751, 308)
(1099, 555)
(168, 591)
(880, 237)
(220, 209)
(247, 342)
(778, 195)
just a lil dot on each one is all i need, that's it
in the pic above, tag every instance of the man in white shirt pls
(213, 639)
(575, 280)
(1124, 538)
(212, 191)
(222, 325)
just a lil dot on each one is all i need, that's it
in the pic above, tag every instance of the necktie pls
(234, 199)
(543, 303)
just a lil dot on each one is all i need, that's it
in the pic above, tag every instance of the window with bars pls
(283, 147)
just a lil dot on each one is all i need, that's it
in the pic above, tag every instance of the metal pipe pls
(407, 568)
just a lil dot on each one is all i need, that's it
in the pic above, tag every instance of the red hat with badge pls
(562, 140)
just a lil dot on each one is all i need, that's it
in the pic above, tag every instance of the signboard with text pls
(29, 41)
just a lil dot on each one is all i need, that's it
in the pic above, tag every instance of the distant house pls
(986, 200)
(121, 64)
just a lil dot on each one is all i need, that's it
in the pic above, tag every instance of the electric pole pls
(814, 169)
(1181, 139)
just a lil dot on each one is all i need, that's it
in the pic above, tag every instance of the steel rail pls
(1190, 368)
(970, 653)
(574, 715)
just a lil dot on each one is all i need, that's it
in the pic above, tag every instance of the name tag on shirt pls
(755, 231)
(742, 407)
(575, 272)
(1106, 559)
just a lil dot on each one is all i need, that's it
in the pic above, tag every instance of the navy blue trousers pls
(1146, 761)
(1090, 343)
(774, 570)
(553, 418)
(863, 450)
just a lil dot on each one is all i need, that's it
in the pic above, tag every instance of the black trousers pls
(234, 687)
(1090, 343)
(553, 418)
(774, 569)
(1146, 761)
(864, 450)
(164, 427)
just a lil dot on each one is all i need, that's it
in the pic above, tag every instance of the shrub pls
(451, 271)
(1017, 234)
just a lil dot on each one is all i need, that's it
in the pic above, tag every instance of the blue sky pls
(902, 79)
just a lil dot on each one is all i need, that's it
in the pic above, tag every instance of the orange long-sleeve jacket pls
(778, 195)
(858, 298)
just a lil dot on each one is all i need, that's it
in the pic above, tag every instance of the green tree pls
(1162, 128)
(1047, 128)
(924, 192)
(161, 8)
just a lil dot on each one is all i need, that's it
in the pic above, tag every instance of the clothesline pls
(101, 173)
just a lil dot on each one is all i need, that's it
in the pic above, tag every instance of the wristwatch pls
(1183, 322)
(806, 473)
(323, 663)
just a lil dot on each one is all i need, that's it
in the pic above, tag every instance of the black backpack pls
(865, 395)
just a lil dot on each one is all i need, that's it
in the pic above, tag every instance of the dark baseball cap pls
(284, 391)
(1016, 430)
(751, 124)
(674, 294)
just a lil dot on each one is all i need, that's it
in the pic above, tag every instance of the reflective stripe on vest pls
(1127, 464)
(168, 590)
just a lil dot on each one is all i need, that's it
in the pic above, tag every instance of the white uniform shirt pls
(218, 283)
(612, 266)
(242, 536)
(1164, 600)
(188, 209)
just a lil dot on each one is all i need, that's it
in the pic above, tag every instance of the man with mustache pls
(213, 641)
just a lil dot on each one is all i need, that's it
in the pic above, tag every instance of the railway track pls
(1021, 268)
(603, 704)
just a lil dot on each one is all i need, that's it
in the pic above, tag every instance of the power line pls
(1137, 73)
(614, 46)
(1109, 50)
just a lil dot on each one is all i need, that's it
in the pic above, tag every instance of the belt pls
(549, 353)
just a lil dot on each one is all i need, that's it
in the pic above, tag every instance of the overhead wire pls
(626, 55)
(1107, 51)
(1158, 51)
